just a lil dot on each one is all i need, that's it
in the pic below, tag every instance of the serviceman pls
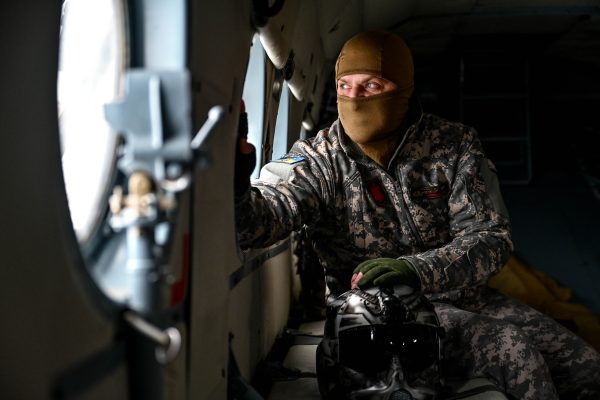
(391, 195)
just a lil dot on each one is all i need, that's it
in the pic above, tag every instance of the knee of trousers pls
(502, 343)
(489, 341)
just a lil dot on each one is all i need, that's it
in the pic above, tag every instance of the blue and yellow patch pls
(290, 160)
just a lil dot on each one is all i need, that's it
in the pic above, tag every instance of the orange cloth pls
(541, 292)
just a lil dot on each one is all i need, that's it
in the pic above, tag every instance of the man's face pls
(363, 85)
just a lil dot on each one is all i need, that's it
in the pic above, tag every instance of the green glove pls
(387, 272)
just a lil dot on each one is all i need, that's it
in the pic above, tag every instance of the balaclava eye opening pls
(382, 54)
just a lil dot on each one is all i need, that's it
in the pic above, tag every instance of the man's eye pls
(344, 86)
(373, 85)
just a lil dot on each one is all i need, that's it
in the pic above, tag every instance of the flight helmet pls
(380, 343)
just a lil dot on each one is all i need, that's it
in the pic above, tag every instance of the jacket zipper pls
(403, 203)
(404, 206)
(411, 222)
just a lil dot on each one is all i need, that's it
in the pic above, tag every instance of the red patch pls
(376, 191)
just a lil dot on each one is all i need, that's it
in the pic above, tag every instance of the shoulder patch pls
(290, 160)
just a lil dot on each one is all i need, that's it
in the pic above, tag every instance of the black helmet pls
(380, 343)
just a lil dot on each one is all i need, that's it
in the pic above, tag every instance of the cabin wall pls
(54, 318)
(75, 321)
(218, 67)
(257, 307)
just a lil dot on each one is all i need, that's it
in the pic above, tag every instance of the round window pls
(91, 66)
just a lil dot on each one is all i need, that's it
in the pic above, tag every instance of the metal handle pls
(169, 339)
(214, 116)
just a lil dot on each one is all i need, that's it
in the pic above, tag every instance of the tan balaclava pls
(373, 122)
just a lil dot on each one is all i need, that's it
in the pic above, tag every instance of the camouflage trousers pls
(525, 352)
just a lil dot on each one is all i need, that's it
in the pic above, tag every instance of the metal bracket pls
(155, 120)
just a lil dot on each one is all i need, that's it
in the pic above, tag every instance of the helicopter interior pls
(122, 285)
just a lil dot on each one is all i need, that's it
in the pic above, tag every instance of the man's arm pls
(287, 198)
(288, 195)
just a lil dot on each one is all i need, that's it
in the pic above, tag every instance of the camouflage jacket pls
(437, 205)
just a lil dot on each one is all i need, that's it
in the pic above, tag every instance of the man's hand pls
(245, 156)
(385, 272)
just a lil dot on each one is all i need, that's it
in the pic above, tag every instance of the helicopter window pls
(254, 98)
(280, 141)
(91, 64)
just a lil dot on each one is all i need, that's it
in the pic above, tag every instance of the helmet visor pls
(369, 349)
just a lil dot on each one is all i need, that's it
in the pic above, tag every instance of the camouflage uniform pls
(438, 206)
